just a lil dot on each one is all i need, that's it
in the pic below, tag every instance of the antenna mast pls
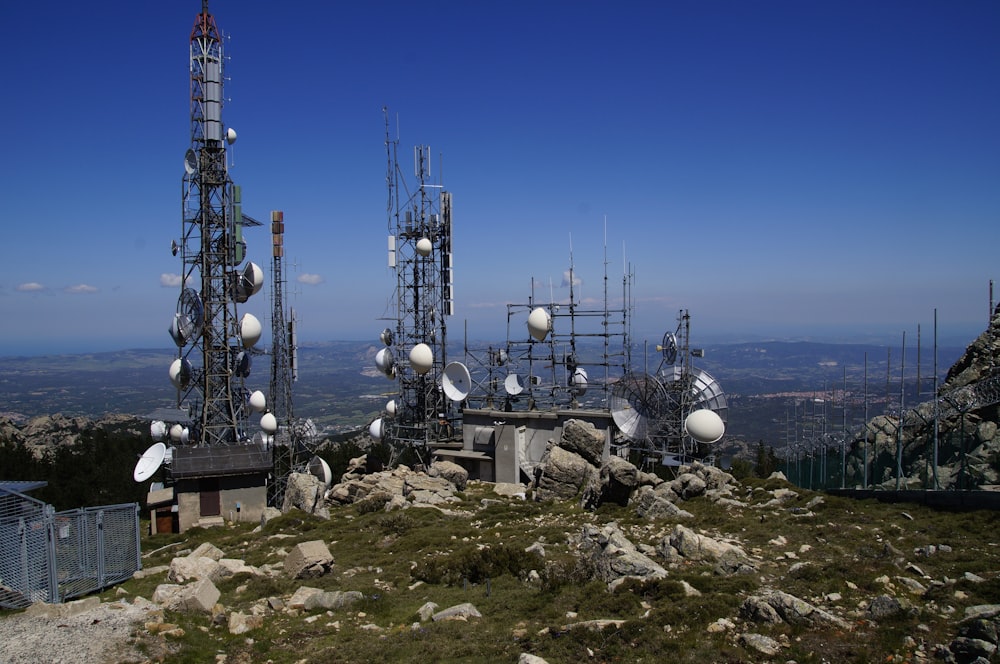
(213, 341)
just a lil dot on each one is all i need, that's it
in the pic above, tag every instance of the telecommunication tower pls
(420, 254)
(294, 440)
(213, 341)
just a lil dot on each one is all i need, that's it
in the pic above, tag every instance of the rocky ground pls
(719, 569)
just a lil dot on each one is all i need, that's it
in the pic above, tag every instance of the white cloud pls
(30, 287)
(577, 281)
(80, 288)
(169, 280)
(311, 279)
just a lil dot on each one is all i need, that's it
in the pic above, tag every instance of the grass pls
(401, 560)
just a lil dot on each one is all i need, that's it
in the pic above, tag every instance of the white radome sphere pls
(250, 330)
(384, 361)
(390, 407)
(158, 430)
(424, 246)
(421, 358)
(705, 426)
(175, 432)
(375, 429)
(579, 381)
(258, 278)
(185, 435)
(539, 323)
(268, 423)
(180, 373)
(258, 402)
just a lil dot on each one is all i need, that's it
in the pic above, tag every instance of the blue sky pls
(780, 169)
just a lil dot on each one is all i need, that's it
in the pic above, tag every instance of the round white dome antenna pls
(705, 426)
(158, 430)
(258, 401)
(376, 429)
(269, 423)
(456, 382)
(386, 337)
(230, 136)
(149, 462)
(180, 373)
(578, 382)
(539, 324)
(250, 330)
(320, 469)
(421, 358)
(424, 246)
(385, 362)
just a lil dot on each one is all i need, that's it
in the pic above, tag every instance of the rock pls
(789, 609)
(584, 439)
(308, 559)
(510, 490)
(304, 491)
(331, 600)
(563, 475)
(967, 649)
(199, 596)
(765, 645)
(63, 611)
(186, 568)
(619, 479)
(427, 611)
(419, 488)
(884, 606)
(240, 623)
(614, 557)
(457, 612)
(688, 485)
(207, 550)
(450, 471)
(300, 596)
(685, 544)
(527, 658)
(653, 506)
(982, 611)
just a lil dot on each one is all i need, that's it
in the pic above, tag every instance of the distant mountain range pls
(340, 389)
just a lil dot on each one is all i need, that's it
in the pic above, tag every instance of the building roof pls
(220, 460)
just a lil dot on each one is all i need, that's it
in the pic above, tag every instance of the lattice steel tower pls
(213, 341)
(420, 253)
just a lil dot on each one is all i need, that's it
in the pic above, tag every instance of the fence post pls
(100, 549)
(49, 520)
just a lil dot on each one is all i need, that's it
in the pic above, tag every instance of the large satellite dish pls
(190, 162)
(669, 348)
(456, 381)
(513, 384)
(638, 403)
(189, 319)
(149, 462)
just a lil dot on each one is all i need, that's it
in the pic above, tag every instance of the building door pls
(211, 503)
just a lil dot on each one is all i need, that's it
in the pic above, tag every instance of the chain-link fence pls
(49, 556)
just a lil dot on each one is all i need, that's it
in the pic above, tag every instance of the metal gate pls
(49, 556)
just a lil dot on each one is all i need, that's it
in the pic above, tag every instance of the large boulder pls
(776, 605)
(305, 492)
(583, 438)
(421, 489)
(200, 596)
(614, 556)
(654, 506)
(563, 475)
(683, 544)
(619, 478)
(450, 471)
(308, 560)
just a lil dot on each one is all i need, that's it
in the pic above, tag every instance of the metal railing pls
(49, 556)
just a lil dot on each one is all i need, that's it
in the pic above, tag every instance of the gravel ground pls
(100, 634)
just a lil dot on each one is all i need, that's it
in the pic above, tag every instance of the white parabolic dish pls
(320, 469)
(456, 381)
(512, 383)
(258, 402)
(705, 426)
(149, 462)
(269, 423)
